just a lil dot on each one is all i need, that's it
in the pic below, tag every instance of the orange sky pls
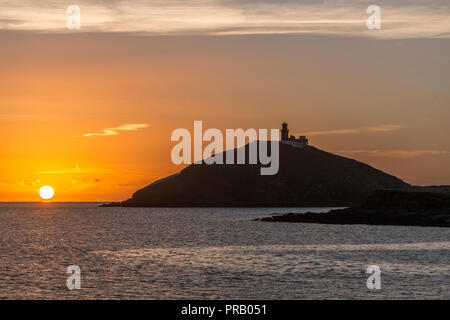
(384, 102)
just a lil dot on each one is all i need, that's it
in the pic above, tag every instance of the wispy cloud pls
(395, 153)
(100, 171)
(379, 128)
(115, 131)
(77, 170)
(400, 18)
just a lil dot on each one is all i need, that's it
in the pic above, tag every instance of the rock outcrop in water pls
(306, 177)
(416, 206)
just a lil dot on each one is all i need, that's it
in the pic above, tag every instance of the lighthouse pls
(284, 132)
(301, 142)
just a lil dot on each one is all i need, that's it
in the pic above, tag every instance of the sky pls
(91, 111)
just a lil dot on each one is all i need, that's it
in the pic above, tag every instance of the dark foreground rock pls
(417, 206)
(306, 177)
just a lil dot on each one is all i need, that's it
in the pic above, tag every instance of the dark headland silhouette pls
(307, 177)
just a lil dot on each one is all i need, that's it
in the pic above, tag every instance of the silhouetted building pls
(285, 138)
(284, 131)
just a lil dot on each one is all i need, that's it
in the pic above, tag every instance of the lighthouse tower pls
(284, 132)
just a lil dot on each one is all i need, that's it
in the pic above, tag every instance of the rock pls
(415, 206)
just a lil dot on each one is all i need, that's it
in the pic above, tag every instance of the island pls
(307, 177)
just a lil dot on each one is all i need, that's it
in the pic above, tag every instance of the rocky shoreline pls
(418, 206)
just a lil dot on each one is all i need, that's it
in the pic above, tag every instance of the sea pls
(211, 253)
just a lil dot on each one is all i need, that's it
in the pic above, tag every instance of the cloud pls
(9, 23)
(77, 170)
(395, 153)
(379, 128)
(23, 183)
(399, 18)
(115, 131)
(100, 171)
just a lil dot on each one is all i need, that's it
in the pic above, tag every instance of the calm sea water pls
(211, 253)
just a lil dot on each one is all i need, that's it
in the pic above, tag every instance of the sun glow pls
(46, 192)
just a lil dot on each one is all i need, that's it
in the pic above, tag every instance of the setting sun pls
(46, 192)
